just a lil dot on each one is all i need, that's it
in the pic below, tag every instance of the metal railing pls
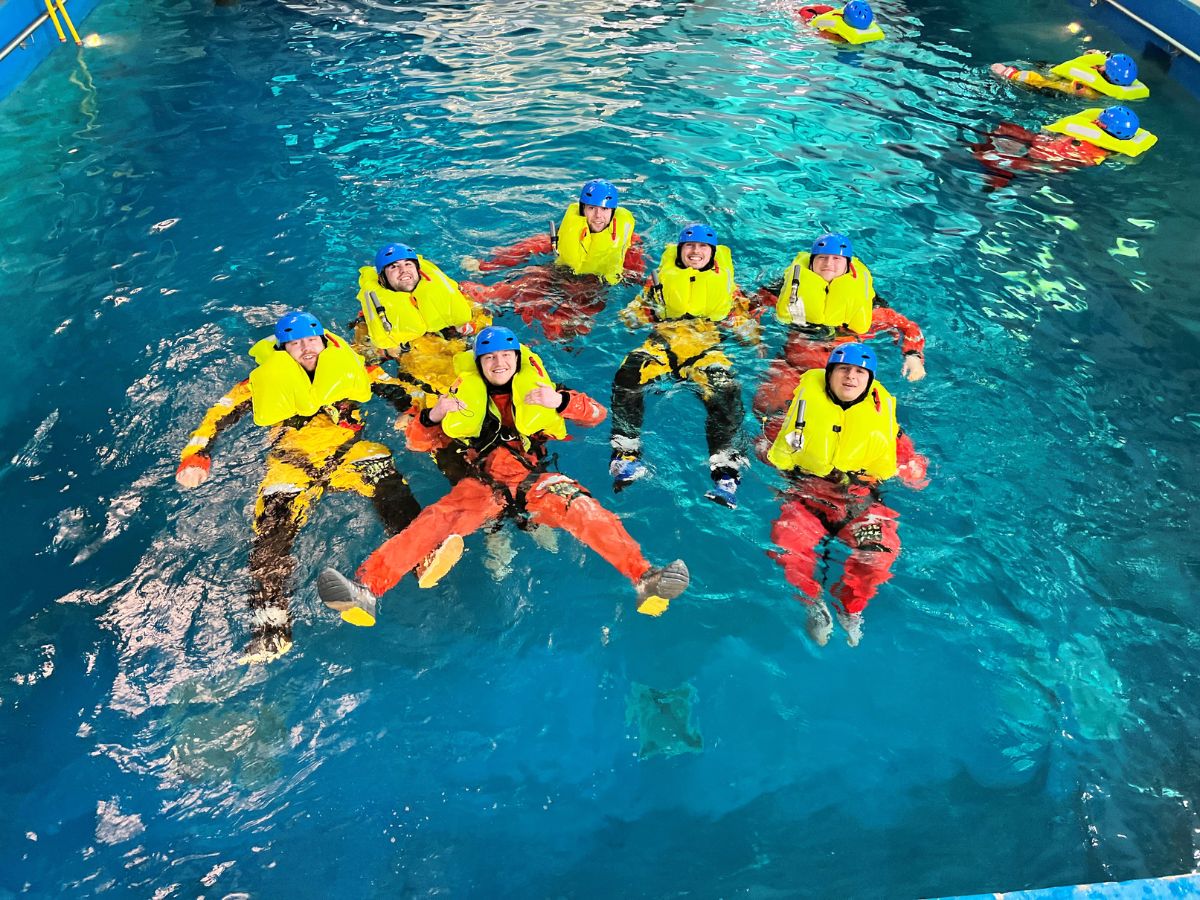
(1152, 29)
(38, 22)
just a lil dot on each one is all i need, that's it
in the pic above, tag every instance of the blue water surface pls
(1022, 710)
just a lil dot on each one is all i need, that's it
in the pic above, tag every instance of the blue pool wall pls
(15, 17)
(1179, 19)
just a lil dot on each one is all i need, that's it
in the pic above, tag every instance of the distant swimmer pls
(839, 444)
(1093, 75)
(854, 23)
(827, 297)
(690, 302)
(309, 387)
(594, 244)
(1084, 139)
(499, 417)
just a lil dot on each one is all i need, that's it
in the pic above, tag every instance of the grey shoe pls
(354, 601)
(853, 625)
(820, 623)
(658, 587)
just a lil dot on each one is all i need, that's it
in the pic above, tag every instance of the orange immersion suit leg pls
(469, 505)
(561, 502)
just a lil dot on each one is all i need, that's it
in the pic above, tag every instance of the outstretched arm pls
(908, 334)
(582, 409)
(517, 253)
(196, 462)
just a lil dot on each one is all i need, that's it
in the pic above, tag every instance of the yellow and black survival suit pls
(316, 422)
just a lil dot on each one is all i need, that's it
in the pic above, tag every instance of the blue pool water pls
(1022, 710)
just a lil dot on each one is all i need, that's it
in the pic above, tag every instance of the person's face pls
(597, 217)
(848, 382)
(402, 275)
(499, 367)
(696, 255)
(830, 266)
(305, 351)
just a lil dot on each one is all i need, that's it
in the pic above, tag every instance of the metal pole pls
(20, 38)
(1162, 34)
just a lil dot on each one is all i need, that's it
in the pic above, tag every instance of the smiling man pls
(309, 387)
(498, 417)
(593, 245)
(839, 443)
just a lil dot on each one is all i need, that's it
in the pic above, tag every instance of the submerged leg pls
(466, 508)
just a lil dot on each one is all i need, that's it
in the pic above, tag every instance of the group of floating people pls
(485, 406)
(1085, 138)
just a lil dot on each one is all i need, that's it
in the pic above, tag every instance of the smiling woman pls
(1024, 691)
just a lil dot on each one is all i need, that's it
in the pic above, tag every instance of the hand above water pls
(914, 367)
(544, 396)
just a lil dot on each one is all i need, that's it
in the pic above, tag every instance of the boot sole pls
(435, 566)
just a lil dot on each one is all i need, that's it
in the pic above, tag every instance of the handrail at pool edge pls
(1154, 30)
(20, 38)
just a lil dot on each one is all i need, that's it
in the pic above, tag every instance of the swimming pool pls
(1021, 710)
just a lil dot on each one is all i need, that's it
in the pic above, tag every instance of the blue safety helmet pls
(1121, 70)
(495, 338)
(1119, 121)
(295, 326)
(698, 233)
(858, 14)
(833, 245)
(853, 355)
(598, 192)
(391, 253)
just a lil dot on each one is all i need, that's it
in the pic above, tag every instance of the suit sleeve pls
(223, 414)
(582, 409)
(518, 253)
(908, 333)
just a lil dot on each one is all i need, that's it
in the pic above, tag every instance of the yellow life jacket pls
(687, 292)
(434, 304)
(471, 389)
(1083, 70)
(280, 388)
(1082, 126)
(601, 253)
(859, 439)
(834, 23)
(844, 302)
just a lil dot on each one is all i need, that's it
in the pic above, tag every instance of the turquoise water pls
(1022, 709)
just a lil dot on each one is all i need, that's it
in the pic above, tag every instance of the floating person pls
(1084, 139)
(689, 301)
(593, 245)
(840, 443)
(854, 23)
(308, 387)
(1093, 75)
(499, 417)
(413, 312)
(827, 297)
